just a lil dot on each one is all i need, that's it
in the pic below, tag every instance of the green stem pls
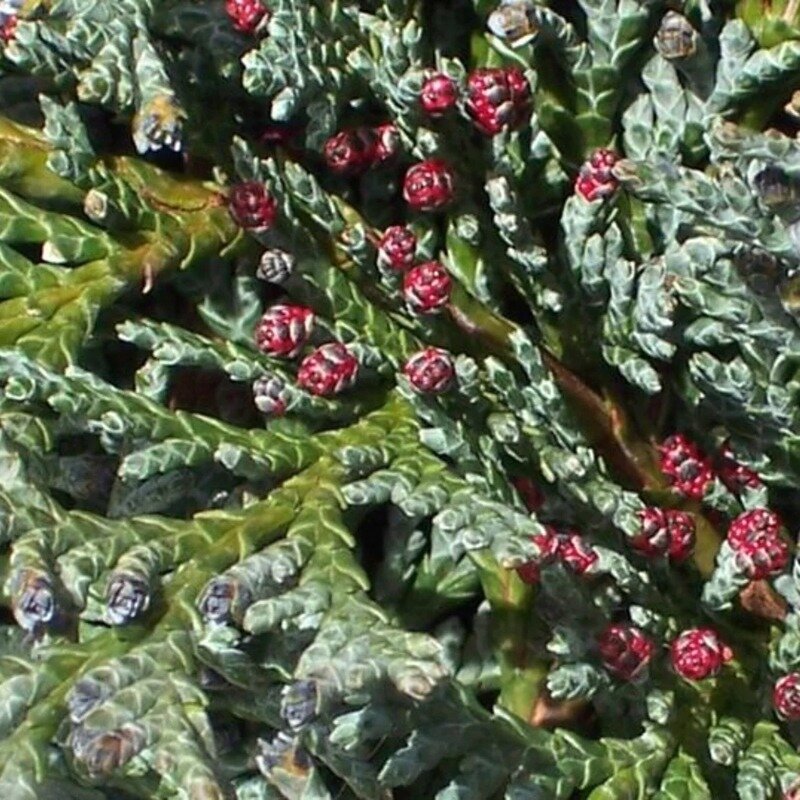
(515, 631)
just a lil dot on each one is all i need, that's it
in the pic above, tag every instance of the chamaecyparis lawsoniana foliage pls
(399, 399)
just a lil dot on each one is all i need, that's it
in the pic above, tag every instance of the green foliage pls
(219, 584)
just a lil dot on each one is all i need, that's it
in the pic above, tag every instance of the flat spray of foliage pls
(202, 601)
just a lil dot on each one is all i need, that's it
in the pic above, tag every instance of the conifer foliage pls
(399, 399)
